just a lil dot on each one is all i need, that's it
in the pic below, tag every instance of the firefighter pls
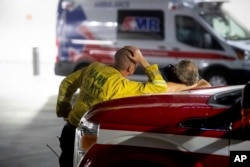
(97, 83)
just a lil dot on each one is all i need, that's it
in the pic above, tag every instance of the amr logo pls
(141, 24)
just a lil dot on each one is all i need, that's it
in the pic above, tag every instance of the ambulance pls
(166, 31)
(195, 128)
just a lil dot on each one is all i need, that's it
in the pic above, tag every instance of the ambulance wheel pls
(217, 78)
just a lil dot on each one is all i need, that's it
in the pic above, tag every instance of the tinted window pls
(190, 32)
(140, 24)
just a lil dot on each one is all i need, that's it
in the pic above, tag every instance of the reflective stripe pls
(63, 99)
(237, 145)
(207, 145)
(159, 82)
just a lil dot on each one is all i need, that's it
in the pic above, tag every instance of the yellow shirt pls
(99, 82)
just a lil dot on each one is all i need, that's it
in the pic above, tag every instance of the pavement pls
(29, 127)
(28, 123)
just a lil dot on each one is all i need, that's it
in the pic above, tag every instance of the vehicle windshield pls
(226, 26)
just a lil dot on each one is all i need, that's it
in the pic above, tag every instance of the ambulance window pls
(140, 24)
(190, 32)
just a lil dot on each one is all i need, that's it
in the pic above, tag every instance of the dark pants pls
(67, 145)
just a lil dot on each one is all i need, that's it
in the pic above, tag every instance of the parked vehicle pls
(165, 30)
(197, 128)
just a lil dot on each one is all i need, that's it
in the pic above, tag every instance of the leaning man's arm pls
(202, 83)
(155, 77)
(68, 87)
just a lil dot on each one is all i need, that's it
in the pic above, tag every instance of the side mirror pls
(245, 106)
(207, 40)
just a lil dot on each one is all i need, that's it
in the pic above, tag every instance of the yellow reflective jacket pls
(99, 82)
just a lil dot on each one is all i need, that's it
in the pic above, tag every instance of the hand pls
(202, 83)
(63, 109)
(137, 56)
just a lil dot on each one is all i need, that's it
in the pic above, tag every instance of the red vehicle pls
(198, 128)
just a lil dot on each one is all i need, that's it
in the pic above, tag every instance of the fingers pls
(135, 55)
(134, 51)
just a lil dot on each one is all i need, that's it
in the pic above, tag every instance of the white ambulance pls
(166, 31)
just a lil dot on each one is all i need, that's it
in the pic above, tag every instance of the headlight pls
(242, 54)
(89, 134)
(85, 137)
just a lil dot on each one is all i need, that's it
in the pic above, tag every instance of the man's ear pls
(130, 69)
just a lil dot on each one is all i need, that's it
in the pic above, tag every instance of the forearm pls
(69, 85)
(144, 63)
(63, 105)
(67, 89)
(156, 79)
(203, 84)
(176, 87)
(153, 73)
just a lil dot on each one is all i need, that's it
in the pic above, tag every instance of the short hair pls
(187, 72)
(121, 59)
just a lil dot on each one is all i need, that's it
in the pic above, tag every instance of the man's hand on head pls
(137, 56)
